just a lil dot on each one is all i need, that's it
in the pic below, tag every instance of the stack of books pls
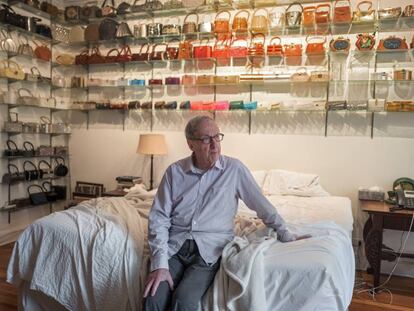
(128, 181)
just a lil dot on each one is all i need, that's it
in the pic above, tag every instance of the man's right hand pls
(155, 278)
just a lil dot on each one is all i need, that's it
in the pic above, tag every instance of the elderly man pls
(192, 219)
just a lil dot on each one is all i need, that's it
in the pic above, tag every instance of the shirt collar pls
(190, 167)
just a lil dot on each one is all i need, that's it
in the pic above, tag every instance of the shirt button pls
(194, 222)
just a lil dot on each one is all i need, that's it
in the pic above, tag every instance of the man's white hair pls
(193, 124)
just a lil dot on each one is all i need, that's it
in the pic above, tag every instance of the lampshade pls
(152, 144)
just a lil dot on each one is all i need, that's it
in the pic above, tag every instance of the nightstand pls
(380, 218)
(114, 193)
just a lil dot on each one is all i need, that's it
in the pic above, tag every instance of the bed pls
(95, 257)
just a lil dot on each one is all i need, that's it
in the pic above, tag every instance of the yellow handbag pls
(11, 70)
(226, 79)
(240, 23)
(260, 23)
(364, 16)
(65, 59)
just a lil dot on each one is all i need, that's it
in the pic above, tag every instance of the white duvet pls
(90, 258)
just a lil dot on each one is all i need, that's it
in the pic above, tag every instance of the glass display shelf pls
(14, 105)
(30, 181)
(29, 9)
(28, 34)
(12, 54)
(34, 133)
(34, 156)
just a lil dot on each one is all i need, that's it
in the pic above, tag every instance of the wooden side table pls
(380, 218)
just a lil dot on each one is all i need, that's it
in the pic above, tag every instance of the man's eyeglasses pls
(208, 139)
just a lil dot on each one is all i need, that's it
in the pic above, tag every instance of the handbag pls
(365, 41)
(236, 104)
(90, 11)
(37, 198)
(315, 44)
(81, 59)
(293, 18)
(188, 80)
(322, 16)
(46, 173)
(11, 70)
(203, 50)
(24, 47)
(340, 44)
(172, 80)
(13, 126)
(31, 174)
(300, 75)
(108, 10)
(173, 4)
(60, 33)
(123, 31)
(260, 23)
(392, 43)
(292, 50)
(205, 80)
(107, 29)
(309, 16)
(49, 8)
(44, 150)
(157, 55)
(153, 5)
(43, 52)
(51, 194)
(7, 43)
(12, 177)
(257, 48)
(221, 50)
(123, 8)
(142, 55)
(236, 50)
(275, 48)
(364, 16)
(45, 125)
(389, 13)
(96, 57)
(221, 105)
(12, 149)
(28, 99)
(65, 59)
(60, 169)
(342, 14)
(76, 34)
(226, 79)
(171, 52)
(171, 28)
(28, 152)
(72, 13)
(190, 27)
(92, 32)
(276, 18)
(125, 54)
(240, 23)
(185, 50)
(222, 25)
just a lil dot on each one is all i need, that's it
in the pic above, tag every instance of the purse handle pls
(47, 183)
(103, 4)
(243, 11)
(14, 114)
(45, 162)
(293, 4)
(337, 1)
(8, 62)
(174, 40)
(257, 35)
(324, 5)
(60, 158)
(146, 51)
(14, 166)
(311, 37)
(24, 89)
(189, 14)
(35, 69)
(156, 45)
(95, 51)
(223, 41)
(263, 9)
(30, 144)
(8, 142)
(275, 38)
(125, 50)
(37, 186)
(224, 11)
(362, 3)
(28, 162)
(22, 39)
(45, 120)
(309, 8)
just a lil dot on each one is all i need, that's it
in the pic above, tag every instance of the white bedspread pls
(86, 258)
(259, 273)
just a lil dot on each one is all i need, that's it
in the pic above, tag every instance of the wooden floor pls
(402, 291)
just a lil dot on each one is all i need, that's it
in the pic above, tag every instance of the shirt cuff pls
(286, 236)
(159, 263)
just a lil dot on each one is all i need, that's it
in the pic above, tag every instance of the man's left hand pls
(301, 237)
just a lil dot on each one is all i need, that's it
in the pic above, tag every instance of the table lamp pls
(152, 144)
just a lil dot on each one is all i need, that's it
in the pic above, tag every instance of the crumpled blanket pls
(99, 245)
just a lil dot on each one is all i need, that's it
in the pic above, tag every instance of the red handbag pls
(315, 44)
(96, 57)
(125, 54)
(342, 14)
(275, 48)
(238, 51)
(141, 55)
(157, 55)
(221, 51)
(322, 13)
(185, 50)
(257, 48)
(203, 51)
(171, 52)
(292, 50)
(112, 56)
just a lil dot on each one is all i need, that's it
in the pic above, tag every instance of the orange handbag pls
(292, 50)
(275, 48)
(342, 14)
(43, 52)
(236, 50)
(222, 25)
(203, 50)
(322, 13)
(257, 48)
(185, 50)
(221, 50)
(309, 16)
(240, 23)
(315, 44)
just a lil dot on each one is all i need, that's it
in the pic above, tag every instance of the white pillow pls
(281, 182)
(259, 177)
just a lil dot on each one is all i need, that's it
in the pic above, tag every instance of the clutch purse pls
(340, 44)
(389, 13)
(226, 79)
(392, 43)
(365, 42)
(205, 80)
(300, 75)
(319, 76)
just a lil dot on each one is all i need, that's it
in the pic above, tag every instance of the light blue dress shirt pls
(192, 204)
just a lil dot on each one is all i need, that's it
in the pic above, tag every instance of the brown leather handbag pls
(240, 23)
(143, 54)
(322, 15)
(222, 25)
(96, 56)
(43, 52)
(315, 44)
(190, 27)
(185, 50)
(342, 14)
(92, 32)
(82, 58)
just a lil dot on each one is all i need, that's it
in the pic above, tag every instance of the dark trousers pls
(191, 275)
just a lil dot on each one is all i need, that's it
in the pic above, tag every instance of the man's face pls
(206, 154)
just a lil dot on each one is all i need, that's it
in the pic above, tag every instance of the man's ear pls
(190, 144)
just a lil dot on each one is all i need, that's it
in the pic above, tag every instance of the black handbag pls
(51, 194)
(33, 174)
(37, 198)
(72, 13)
(107, 29)
(28, 152)
(46, 173)
(12, 177)
(12, 151)
(123, 8)
(61, 169)
(90, 11)
(12, 18)
(44, 30)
